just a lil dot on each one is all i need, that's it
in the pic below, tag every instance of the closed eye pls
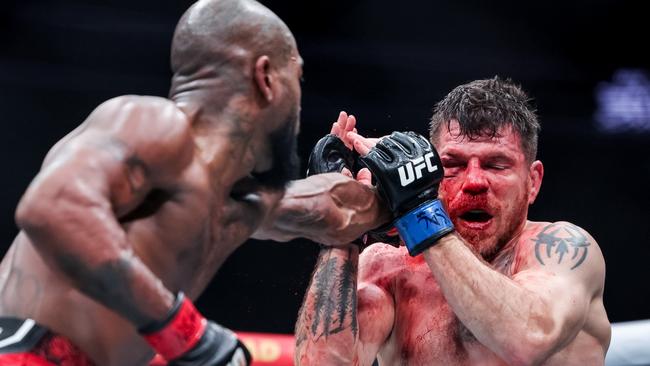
(496, 166)
(452, 168)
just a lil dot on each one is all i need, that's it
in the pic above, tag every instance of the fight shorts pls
(25, 343)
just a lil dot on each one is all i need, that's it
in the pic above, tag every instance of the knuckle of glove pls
(413, 172)
(330, 155)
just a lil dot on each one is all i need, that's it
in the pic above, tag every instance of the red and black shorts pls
(25, 343)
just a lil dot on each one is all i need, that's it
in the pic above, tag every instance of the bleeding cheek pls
(446, 190)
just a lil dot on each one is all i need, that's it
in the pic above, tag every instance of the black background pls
(387, 62)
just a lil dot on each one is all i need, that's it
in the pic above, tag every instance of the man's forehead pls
(450, 136)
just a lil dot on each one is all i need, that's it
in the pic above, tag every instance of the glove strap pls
(421, 227)
(177, 334)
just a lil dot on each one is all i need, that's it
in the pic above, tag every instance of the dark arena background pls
(585, 63)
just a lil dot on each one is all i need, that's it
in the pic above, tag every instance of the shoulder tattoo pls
(562, 243)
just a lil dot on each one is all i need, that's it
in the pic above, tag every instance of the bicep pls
(376, 314)
(566, 271)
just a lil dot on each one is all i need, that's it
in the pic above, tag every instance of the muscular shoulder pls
(150, 117)
(562, 248)
(151, 129)
(380, 261)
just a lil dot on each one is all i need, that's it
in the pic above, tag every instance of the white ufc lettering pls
(412, 171)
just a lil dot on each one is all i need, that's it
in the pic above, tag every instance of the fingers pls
(344, 124)
(350, 124)
(338, 127)
(346, 172)
(335, 130)
(361, 144)
(364, 177)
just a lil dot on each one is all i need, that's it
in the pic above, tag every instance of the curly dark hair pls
(483, 107)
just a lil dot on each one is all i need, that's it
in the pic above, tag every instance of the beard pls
(284, 150)
(506, 223)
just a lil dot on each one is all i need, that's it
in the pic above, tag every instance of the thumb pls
(364, 177)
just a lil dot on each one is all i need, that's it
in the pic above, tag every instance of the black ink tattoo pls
(347, 295)
(565, 242)
(331, 315)
(112, 283)
(437, 218)
(323, 280)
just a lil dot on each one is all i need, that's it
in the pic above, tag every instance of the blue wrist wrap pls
(421, 227)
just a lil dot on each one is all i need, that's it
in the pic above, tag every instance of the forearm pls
(80, 238)
(507, 318)
(330, 209)
(327, 331)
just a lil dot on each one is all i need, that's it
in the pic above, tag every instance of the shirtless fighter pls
(498, 289)
(135, 210)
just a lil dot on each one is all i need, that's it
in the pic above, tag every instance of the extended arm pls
(330, 209)
(527, 318)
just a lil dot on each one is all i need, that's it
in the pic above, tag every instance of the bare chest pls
(185, 235)
(426, 330)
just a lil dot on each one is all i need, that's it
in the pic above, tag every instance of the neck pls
(228, 141)
(504, 258)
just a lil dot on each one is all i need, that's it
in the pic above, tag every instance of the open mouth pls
(476, 216)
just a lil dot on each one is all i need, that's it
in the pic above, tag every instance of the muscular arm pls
(127, 147)
(330, 209)
(527, 318)
(340, 324)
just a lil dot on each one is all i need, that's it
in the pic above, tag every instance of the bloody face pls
(486, 188)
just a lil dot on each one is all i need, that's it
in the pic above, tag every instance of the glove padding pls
(408, 171)
(330, 155)
(217, 347)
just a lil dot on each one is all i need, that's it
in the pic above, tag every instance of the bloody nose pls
(475, 181)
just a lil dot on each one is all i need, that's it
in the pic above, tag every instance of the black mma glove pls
(330, 155)
(408, 171)
(186, 338)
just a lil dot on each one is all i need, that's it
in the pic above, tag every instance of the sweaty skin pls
(149, 196)
(155, 212)
(502, 290)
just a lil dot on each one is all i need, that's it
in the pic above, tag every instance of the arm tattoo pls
(113, 283)
(335, 298)
(564, 243)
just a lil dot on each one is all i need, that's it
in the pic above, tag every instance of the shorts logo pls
(412, 171)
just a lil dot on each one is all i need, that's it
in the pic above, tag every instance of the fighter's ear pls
(536, 173)
(263, 77)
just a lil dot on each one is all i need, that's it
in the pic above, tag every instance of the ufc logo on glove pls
(412, 171)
